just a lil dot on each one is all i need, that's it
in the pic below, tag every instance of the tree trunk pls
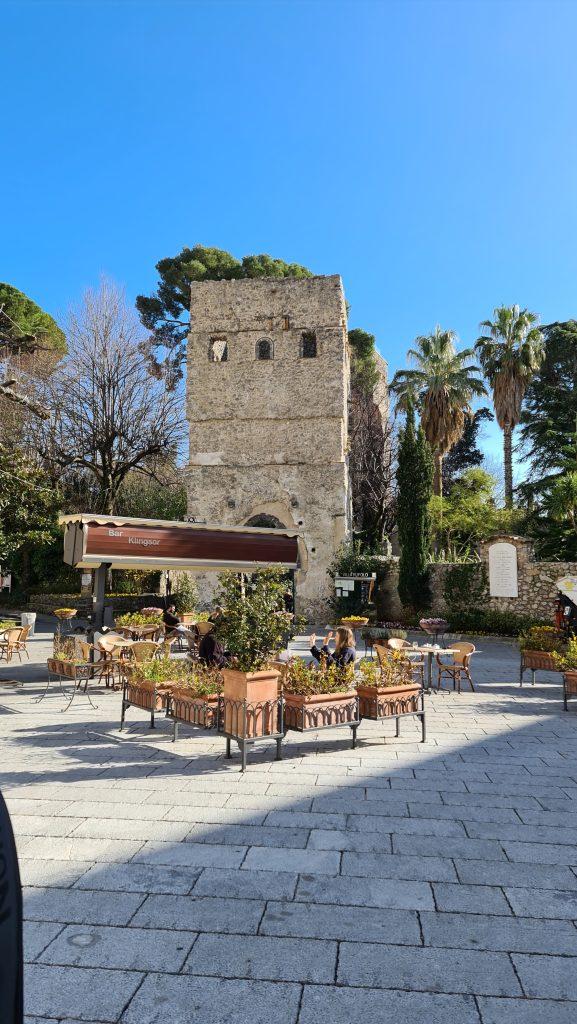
(438, 476)
(508, 464)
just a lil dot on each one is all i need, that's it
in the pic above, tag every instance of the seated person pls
(172, 624)
(344, 652)
(211, 652)
(217, 615)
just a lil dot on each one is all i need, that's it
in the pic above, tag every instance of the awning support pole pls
(98, 596)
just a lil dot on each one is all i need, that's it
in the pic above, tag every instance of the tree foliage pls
(441, 387)
(28, 505)
(414, 480)
(30, 344)
(510, 352)
(111, 418)
(254, 625)
(166, 313)
(370, 444)
(468, 514)
(465, 454)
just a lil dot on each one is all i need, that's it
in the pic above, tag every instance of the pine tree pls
(415, 483)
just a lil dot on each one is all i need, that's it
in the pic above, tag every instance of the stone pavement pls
(398, 882)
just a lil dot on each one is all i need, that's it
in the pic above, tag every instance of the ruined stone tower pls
(267, 393)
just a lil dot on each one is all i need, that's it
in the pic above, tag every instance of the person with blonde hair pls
(344, 652)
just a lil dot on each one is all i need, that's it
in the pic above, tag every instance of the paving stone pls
(191, 855)
(525, 1011)
(427, 970)
(214, 815)
(133, 877)
(470, 899)
(76, 906)
(313, 861)
(425, 869)
(541, 853)
(547, 977)
(335, 839)
(166, 999)
(305, 820)
(189, 798)
(62, 873)
(463, 812)
(322, 1005)
(475, 799)
(406, 826)
(97, 995)
(39, 825)
(523, 833)
(250, 835)
(492, 872)
(108, 828)
(365, 892)
(327, 921)
(543, 903)
(483, 931)
(259, 885)
(200, 914)
(447, 846)
(391, 807)
(98, 809)
(37, 935)
(60, 848)
(260, 957)
(138, 949)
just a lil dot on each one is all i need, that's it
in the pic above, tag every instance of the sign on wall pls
(503, 579)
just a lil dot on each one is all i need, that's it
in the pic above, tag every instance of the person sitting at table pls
(211, 652)
(344, 652)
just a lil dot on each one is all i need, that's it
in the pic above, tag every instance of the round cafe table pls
(429, 650)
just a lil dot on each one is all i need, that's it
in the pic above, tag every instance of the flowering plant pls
(308, 680)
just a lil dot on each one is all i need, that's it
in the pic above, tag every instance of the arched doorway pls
(266, 522)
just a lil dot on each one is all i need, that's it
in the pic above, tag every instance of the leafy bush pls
(202, 682)
(150, 618)
(395, 670)
(255, 625)
(492, 623)
(185, 593)
(308, 680)
(465, 586)
(567, 662)
(542, 638)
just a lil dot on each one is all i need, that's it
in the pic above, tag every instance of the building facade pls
(267, 405)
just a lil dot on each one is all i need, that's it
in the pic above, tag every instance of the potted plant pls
(538, 645)
(354, 621)
(195, 699)
(252, 631)
(387, 689)
(566, 663)
(434, 626)
(316, 698)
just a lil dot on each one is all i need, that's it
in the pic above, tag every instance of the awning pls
(132, 543)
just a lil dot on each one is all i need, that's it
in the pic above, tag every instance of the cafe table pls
(428, 650)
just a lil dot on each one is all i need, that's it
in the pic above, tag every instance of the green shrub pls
(308, 680)
(542, 638)
(465, 586)
(491, 623)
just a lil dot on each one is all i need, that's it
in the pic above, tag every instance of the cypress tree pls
(415, 484)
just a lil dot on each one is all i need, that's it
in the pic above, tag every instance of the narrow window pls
(308, 345)
(218, 350)
(286, 323)
(264, 349)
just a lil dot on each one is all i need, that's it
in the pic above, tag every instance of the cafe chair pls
(457, 668)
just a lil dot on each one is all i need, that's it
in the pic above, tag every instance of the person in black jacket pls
(11, 957)
(344, 653)
(211, 652)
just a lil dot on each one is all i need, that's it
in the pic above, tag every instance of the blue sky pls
(426, 151)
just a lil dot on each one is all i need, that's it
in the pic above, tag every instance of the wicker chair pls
(144, 650)
(13, 641)
(458, 667)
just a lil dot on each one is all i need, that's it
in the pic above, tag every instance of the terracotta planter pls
(384, 701)
(320, 710)
(250, 702)
(146, 695)
(535, 660)
(355, 623)
(202, 711)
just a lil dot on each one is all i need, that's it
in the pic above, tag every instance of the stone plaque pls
(503, 570)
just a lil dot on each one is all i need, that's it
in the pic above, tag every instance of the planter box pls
(146, 695)
(320, 711)
(201, 711)
(353, 624)
(387, 701)
(538, 660)
(250, 702)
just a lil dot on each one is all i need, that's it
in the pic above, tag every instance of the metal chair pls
(460, 653)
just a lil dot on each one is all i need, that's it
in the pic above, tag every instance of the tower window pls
(218, 350)
(264, 349)
(286, 323)
(308, 345)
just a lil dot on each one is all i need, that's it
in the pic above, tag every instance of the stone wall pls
(269, 437)
(536, 583)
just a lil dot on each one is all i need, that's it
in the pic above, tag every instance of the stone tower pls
(267, 399)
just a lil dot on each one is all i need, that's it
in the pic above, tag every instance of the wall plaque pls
(503, 581)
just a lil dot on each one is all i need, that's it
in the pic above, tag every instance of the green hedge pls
(483, 622)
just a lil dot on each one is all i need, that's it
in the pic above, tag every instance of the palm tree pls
(510, 352)
(441, 387)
